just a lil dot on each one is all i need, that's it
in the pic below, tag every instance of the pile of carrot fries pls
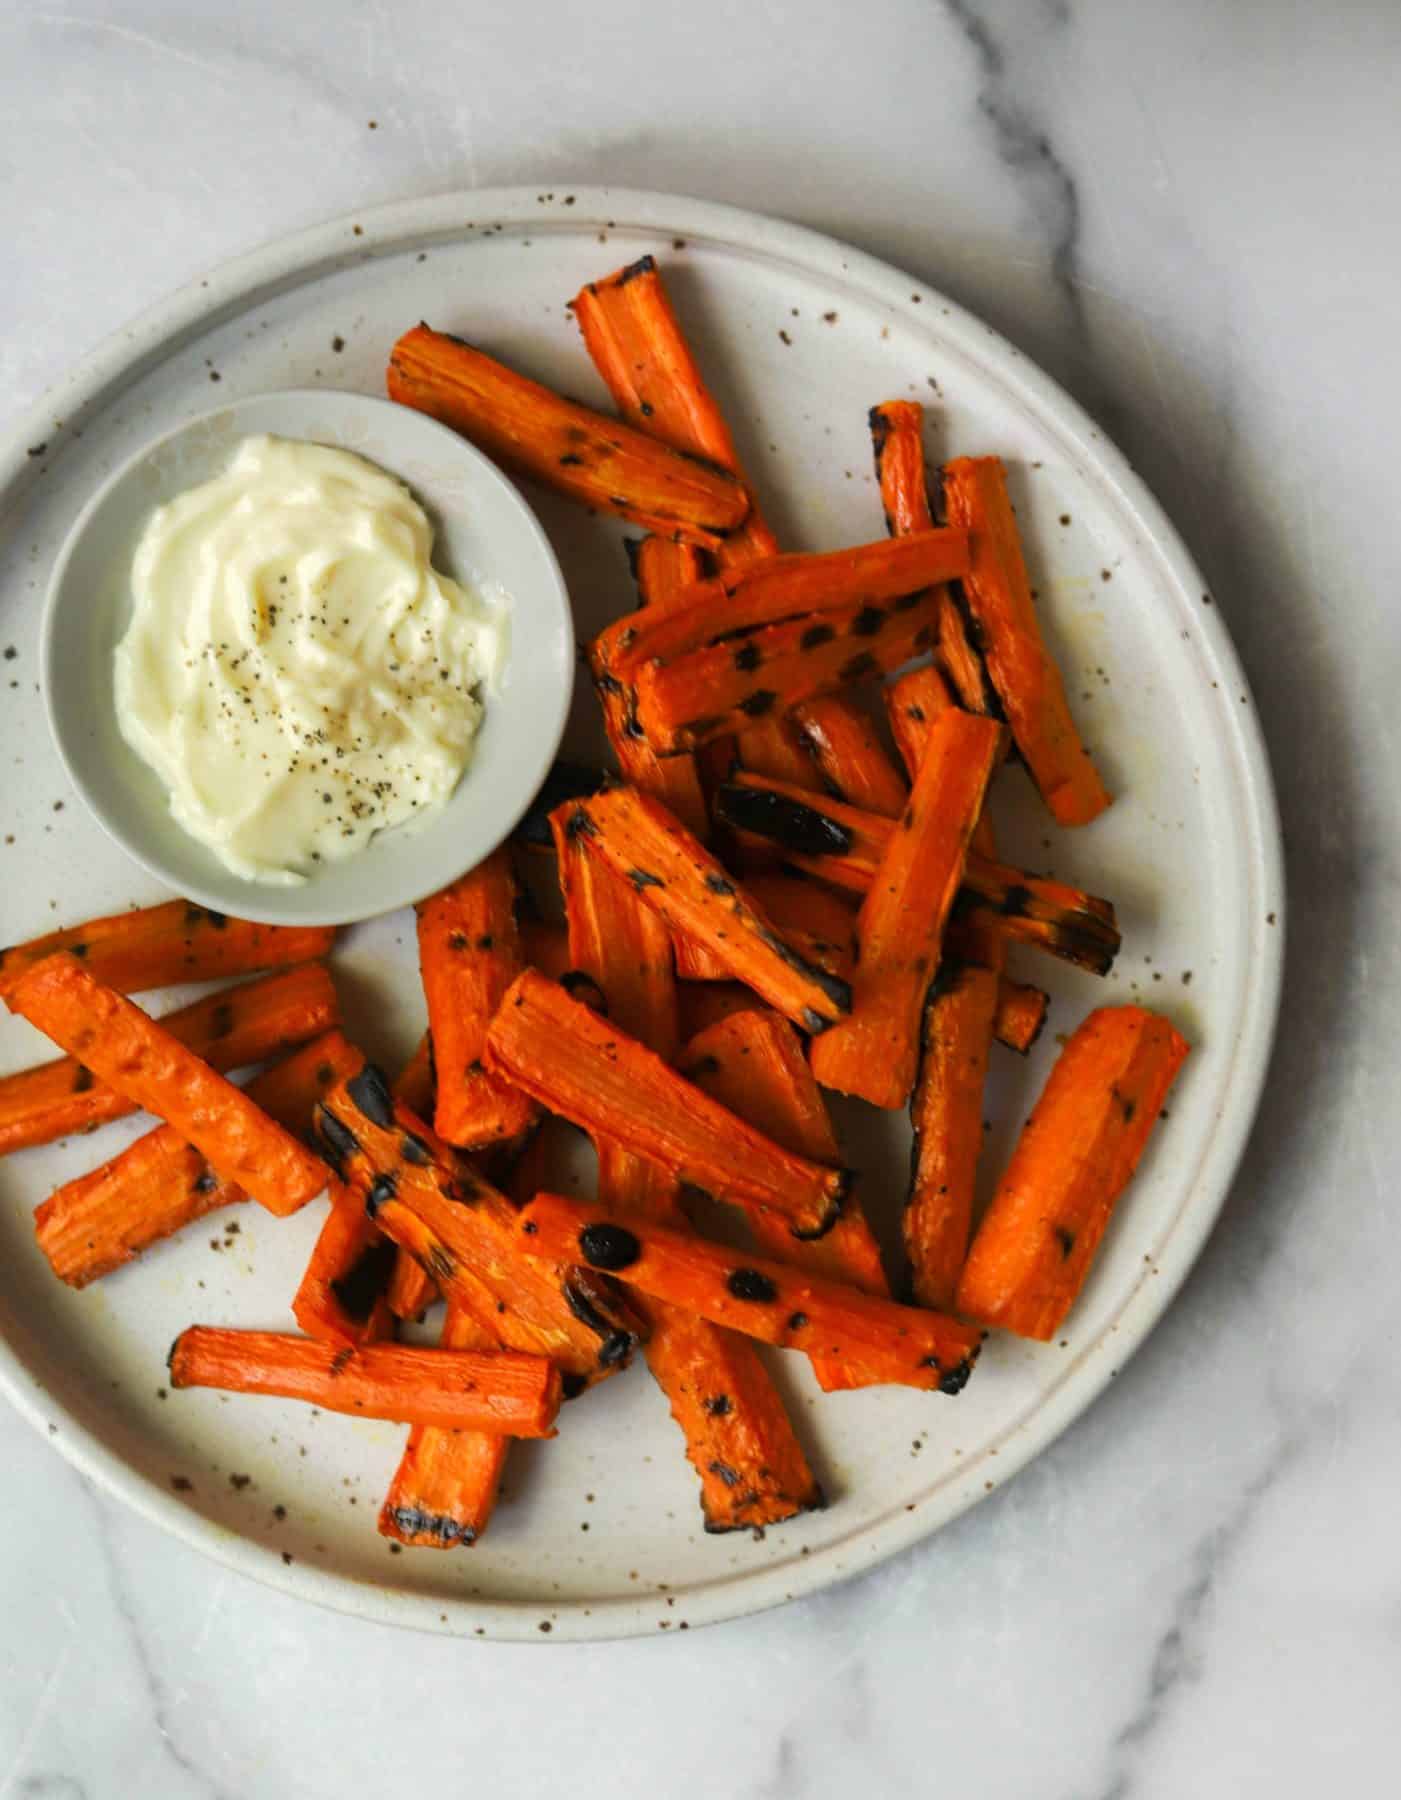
(789, 884)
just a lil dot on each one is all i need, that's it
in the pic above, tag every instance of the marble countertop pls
(1185, 214)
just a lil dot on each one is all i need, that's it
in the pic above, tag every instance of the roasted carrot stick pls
(154, 1070)
(1020, 1014)
(899, 930)
(586, 1069)
(457, 1390)
(898, 442)
(721, 687)
(677, 875)
(230, 1030)
(631, 331)
(912, 703)
(160, 946)
(851, 757)
(738, 1436)
(1076, 1154)
(596, 460)
(1027, 681)
(618, 941)
(446, 1483)
(843, 845)
(818, 924)
(635, 339)
(661, 567)
(469, 953)
(461, 1230)
(768, 1300)
(702, 1004)
(753, 1063)
(343, 1296)
(412, 1290)
(808, 585)
(545, 946)
(947, 1114)
(101, 1220)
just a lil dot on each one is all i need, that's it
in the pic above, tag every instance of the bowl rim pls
(263, 897)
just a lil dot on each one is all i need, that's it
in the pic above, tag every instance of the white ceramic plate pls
(600, 1535)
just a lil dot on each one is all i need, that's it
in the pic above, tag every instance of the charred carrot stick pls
(661, 568)
(899, 930)
(818, 924)
(803, 585)
(772, 1301)
(154, 1070)
(469, 953)
(456, 1390)
(160, 946)
(898, 442)
(586, 1069)
(1020, 1015)
(412, 1290)
(843, 845)
(159, 1184)
(622, 944)
(1077, 1153)
(720, 688)
(851, 757)
(738, 1436)
(1026, 678)
(343, 1296)
(445, 1486)
(677, 875)
(461, 1230)
(631, 331)
(230, 1030)
(946, 1112)
(599, 461)
(912, 703)
(753, 1063)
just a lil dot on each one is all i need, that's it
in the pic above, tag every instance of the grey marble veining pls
(1186, 214)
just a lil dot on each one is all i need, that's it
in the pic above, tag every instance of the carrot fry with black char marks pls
(230, 1030)
(469, 953)
(585, 1068)
(631, 331)
(599, 461)
(772, 1301)
(161, 946)
(1020, 1014)
(1027, 681)
(461, 1230)
(622, 944)
(677, 875)
(159, 1184)
(844, 845)
(899, 930)
(1076, 1154)
(897, 439)
(753, 1063)
(851, 757)
(121, 1045)
(818, 924)
(456, 1390)
(912, 703)
(721, 687)
(661, 567)
(738, 1436)
(411, 1289)
(946, 1111)
(445, 1486)
(343, 1296)
(812, 585)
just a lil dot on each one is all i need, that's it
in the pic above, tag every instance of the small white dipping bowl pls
(484, 534)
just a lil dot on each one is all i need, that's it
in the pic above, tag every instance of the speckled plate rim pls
(343, 243)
